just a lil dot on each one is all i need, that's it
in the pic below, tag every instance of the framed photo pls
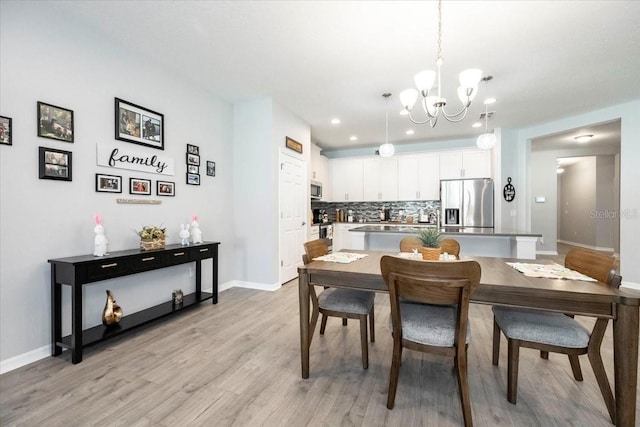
(108, 183)
(139, 125)
(5, 130)
(55, 164)
(193, 179)
(293, 145)
(193, 159)
(193, 169)
(193, 149)
(55, 122)
(140, 186)
(211, 168)
(165, 188)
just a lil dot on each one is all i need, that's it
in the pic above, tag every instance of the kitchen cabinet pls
(342, 235)
(346, 180)
(380, 179)
(319, 171)
(456, 164)
(419, 177)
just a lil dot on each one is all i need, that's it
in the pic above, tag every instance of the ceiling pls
(327, 59)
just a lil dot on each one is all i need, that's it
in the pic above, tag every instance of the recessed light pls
(476, 125)
(404, 112)
(489, 101)
(583, 138)
(353, 138)
(410, 132)
(335, 121)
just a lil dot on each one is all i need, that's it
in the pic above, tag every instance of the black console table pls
(83, 270)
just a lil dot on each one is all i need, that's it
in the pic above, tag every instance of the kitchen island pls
(492, 242)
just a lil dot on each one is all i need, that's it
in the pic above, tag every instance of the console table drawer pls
(196, 254)
(179, 256)
(146, 262)
(106, 269)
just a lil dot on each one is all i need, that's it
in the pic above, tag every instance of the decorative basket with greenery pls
(430, 238)
(152, 237)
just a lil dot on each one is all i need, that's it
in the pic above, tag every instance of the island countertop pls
(467, 231)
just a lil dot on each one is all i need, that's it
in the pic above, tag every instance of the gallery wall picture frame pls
(55, 164)
(6, 130)
(166, 188)
(193, 169)
(55, 122)
(140, 186)
(138, 125)
(193, 149)
(193, 159)
(211, 168)
(193, 179)
(108, 183)
(293, 145)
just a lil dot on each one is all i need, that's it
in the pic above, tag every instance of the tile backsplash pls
(370, 211)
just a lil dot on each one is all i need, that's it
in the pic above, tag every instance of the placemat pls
(549, 271)
(341, 257)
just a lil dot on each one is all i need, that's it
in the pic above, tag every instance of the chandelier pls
(434, 104)
(386, 149)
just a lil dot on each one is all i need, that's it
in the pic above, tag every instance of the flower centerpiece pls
(152, 237)
(430, 238)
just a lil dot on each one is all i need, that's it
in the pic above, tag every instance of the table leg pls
(56, 313)
(215, 274)
(625, 357)
(303, 294)
(76, 324)
(198, 280)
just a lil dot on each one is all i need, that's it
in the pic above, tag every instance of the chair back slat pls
(600, 267)
(450, 246)
(408, 244)
(314, 249)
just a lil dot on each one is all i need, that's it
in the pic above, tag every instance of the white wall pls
(50, 58)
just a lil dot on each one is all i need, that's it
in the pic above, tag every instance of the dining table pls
(500, 284)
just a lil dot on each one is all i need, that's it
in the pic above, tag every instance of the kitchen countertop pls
(415, 229)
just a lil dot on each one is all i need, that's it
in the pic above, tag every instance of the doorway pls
(293, 196)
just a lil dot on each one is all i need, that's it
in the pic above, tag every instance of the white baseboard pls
(24, 359)
(630, 285)
(250, 285)
(546, 252)
(582, 245)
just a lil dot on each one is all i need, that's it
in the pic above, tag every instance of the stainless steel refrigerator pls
(466, 202)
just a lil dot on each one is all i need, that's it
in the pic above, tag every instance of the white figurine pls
(100, 242)
(196, 234)
(184, 234)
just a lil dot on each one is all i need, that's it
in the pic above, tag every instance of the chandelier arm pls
(453, 117)
(419, 122)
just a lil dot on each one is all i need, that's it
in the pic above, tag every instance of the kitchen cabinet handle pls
(207, 249)
(178, 254)
(151, 258)
(109, 265)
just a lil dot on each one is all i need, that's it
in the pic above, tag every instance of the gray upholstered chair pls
(339, 302)
(557, 332)
(429, 313)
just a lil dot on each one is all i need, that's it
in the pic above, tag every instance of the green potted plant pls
(430, 238)
(152, 237)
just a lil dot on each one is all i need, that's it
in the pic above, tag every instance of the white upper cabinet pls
(458, 164)
(419, 177)
(346, 180)
(380, 179)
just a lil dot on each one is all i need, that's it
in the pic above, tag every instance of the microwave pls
(316, 190)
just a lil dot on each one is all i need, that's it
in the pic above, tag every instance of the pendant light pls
(386, 149)
(486, 140)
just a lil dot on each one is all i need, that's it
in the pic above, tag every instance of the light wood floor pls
(238, 363)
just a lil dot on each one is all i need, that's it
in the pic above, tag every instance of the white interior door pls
(293, 217)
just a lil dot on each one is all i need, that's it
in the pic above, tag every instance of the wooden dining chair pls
(450, 246)
(557, 332)
(339, 302)
(429, 313)
(408, 244)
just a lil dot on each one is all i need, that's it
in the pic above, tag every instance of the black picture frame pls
(193, 179)
(138, 125)
(165, 188)
(193, 149)
(193, 159)
(140, 186)
(108, 183)
(211, 168)
(193, 169)
(55, 122)
(6, 130)
(55, 164)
